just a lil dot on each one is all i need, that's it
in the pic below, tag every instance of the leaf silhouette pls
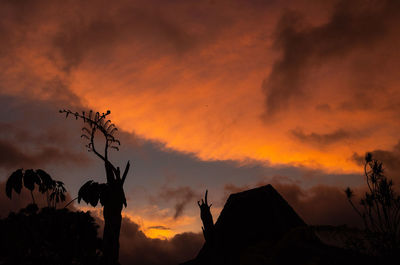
(30, 178)
(91, 192)
(94, 194)
(83, 193)
(60, 186)
(8, 188)
(58, 191)
(104, 193)
(47, 182)
(52, 195)
(14, 182)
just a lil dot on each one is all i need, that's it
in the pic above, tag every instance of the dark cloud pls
(321, 139)
(14, 14)
(78, 40)
(181, 196)
(320, 205)
(58, 91)
(352, 26)
(159, 227)
(12, 157)
(81, 36)
(137, 248)
(323, 107)
(81, 30)
(32, 135)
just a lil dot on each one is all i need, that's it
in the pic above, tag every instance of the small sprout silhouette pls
(349, 193)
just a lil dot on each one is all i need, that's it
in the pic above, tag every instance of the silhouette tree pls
(110, 194)
(54, 189)
(207, 219)
(380, 210)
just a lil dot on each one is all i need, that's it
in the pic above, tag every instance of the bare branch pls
(125, 172)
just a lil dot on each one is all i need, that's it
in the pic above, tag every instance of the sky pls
(223, 95)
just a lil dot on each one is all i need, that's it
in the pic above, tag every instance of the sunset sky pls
(221, 95)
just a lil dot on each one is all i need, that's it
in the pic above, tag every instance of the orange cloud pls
(197, 77)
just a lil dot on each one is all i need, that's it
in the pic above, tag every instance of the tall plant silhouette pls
(53, 189)
(207, 219)
(110, 194)
(380, 209)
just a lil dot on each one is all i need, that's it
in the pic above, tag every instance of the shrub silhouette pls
(110, 194)
(380, 211)
(54, 190)
(52, 236)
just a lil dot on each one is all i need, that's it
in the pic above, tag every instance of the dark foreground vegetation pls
(109, 194)
(49, 236)
(379, 209)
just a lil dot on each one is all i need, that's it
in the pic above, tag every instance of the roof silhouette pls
(258, 226)
(249, 217)
(259, 213)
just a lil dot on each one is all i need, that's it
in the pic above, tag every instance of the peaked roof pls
(252, 215)
(248, 217)
(258, 226)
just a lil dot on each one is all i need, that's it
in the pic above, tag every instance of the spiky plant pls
(380, 209)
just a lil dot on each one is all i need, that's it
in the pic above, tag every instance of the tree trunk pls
(208, 225)
(112, 225)
(33, 198)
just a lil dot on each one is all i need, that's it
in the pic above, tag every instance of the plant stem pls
(70, 202)
(33, 198)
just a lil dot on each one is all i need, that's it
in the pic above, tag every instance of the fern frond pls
(114, 147)
(113, 131)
